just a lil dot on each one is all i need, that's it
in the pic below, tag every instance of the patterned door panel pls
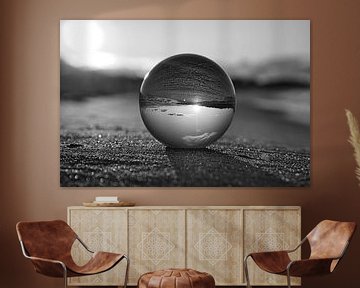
(100, 230)
(270, 230)
(214, 241)
(157, 240)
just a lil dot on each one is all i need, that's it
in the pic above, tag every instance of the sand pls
(104, 142)
(92, 158)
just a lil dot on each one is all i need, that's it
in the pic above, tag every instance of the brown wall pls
(29, 111)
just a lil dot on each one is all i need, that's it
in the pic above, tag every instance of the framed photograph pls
(185, 103)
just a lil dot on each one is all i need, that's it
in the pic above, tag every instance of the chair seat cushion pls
(176, 278)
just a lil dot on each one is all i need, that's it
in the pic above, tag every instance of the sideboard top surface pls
(193, 207)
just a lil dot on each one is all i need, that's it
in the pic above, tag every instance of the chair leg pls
(127, 271)
(65, 276)
(288, 278)
(246, 270)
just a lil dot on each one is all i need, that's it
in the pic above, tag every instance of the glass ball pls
(187, 101)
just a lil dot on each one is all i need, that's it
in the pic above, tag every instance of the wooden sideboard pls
(212, 239)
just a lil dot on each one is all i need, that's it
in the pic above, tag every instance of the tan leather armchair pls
(48, 245)
(328, 242)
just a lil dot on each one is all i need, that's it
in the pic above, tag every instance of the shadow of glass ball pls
(187, 101)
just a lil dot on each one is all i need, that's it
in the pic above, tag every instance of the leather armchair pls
(328, 243)
(48, 245)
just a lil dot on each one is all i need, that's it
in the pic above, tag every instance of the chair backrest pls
(329, 239)
(46, 239)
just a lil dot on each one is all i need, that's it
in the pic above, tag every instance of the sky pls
(138, 45)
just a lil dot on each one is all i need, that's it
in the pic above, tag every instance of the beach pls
(103, 142)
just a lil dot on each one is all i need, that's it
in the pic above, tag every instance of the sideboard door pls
(156, 240)
(214, 244)
(270, 230)
(101, 230)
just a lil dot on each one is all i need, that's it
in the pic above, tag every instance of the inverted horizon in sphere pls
(193, 126)
(187, 101)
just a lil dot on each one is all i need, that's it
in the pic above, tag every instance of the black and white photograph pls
(185, 103)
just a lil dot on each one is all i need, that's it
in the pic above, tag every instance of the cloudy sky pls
(139, 44)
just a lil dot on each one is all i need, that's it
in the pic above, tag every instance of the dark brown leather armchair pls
(48, 245)
(328, 242)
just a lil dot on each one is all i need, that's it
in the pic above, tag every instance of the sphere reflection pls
(187, 101)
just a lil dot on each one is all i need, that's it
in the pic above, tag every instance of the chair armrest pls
(298, 246)
(84, 245)
(309, 267)
(280, 251)
(271, 261)
(268, 253)
(46, 260)
(49, 267)
(315, 266)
